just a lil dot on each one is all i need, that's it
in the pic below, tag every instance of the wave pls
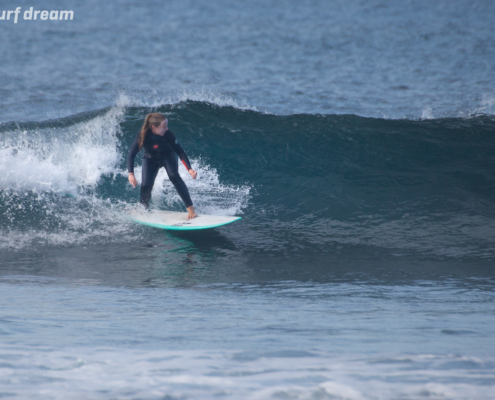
(314, 182)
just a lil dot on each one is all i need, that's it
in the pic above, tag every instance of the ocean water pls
(355, 139)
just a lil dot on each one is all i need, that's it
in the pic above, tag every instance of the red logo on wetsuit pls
(155, 146)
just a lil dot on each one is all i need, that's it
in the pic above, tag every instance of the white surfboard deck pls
(178, 221)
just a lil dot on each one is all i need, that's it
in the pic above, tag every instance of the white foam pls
(99, 373)
(35, 165)
(63, 221)
(487, 105)
(61, 159)
(427, 113)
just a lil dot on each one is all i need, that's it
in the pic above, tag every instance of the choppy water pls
(354, 138)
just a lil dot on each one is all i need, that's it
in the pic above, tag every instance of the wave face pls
(303, 183)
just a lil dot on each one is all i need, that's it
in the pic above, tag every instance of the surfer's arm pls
(174, 143)
(130, 160)
(132, 154)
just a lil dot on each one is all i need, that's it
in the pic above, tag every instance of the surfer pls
(159, 146)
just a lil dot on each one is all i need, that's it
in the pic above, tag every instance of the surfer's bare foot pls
(192, 213)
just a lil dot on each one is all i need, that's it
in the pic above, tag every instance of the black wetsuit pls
(160, 151)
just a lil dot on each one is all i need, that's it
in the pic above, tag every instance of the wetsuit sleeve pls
(132, 154)
(174, 143)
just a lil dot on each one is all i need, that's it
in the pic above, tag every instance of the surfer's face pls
(161, 129)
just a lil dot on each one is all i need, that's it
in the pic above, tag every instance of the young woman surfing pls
(159, 147)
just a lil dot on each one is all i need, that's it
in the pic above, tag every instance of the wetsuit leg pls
(171, 165)
(149, 172)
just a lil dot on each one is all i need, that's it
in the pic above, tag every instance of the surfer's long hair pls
(154, 119)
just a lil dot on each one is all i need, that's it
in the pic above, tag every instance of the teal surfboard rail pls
(181, 228)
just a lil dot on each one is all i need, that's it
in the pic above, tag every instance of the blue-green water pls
(354, 138)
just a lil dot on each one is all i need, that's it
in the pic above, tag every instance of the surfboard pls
(178, 221)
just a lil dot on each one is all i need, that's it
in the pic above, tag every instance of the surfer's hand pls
(193, 173)
(132, 180)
